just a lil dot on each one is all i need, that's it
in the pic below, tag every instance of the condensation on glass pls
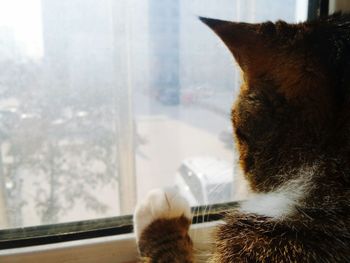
(102, 100)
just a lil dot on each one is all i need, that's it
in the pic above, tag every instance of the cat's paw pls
(159, 204)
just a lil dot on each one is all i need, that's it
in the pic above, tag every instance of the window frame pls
(118, 248)
(317, 8)
(87, 229)
(104, 240)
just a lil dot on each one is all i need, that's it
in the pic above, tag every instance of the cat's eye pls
(102, 101)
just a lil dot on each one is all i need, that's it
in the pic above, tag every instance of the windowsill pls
(90, 229)
(119, 248)
(102, 240)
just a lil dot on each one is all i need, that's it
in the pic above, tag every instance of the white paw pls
(159, 204)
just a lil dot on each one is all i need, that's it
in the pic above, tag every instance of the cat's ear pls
(244, 40)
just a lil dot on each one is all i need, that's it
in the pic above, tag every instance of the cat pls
(291, 124)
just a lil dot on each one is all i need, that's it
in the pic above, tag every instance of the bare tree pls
(64, 139)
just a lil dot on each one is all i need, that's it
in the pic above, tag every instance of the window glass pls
(103, 100)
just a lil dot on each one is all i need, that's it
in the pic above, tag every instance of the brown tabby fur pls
(174, 247)
(293, 111)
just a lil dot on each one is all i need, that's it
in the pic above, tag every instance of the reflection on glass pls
(102, 100)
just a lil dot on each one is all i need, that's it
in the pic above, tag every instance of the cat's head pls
(292, 102)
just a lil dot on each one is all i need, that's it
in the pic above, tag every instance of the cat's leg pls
(161, 224)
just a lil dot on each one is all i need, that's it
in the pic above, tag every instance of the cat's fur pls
(292, 130)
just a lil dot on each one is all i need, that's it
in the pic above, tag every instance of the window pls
(104, 100)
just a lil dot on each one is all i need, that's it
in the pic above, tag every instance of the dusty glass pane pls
(102, 100)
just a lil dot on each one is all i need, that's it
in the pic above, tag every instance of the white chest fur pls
(282, 201)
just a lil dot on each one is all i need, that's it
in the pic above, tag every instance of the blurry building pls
(164, 37)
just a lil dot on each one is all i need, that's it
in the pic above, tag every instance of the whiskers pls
(205, 221)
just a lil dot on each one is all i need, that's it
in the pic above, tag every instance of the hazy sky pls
(24, 18)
